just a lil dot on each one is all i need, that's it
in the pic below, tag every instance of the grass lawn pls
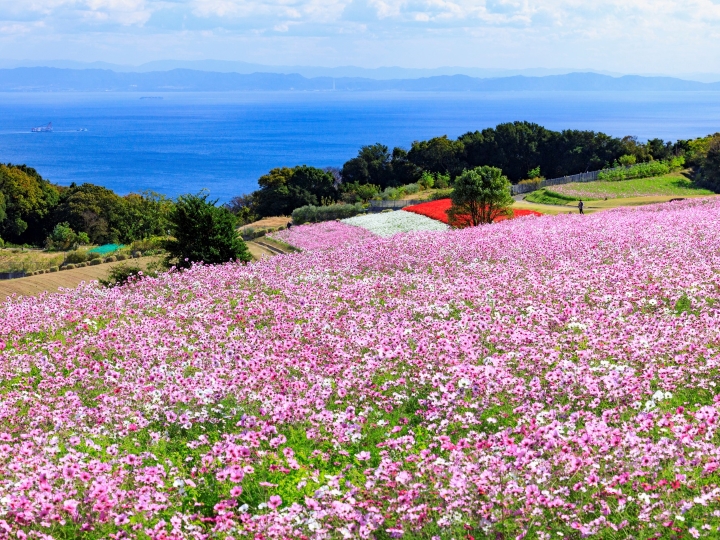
(672, 185)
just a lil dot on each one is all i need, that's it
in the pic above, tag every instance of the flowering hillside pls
(540, 378)
(325, 235)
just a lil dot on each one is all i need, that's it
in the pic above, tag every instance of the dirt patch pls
(268, 223)
(67, 279)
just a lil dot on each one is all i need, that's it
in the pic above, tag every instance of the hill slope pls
(542, 376)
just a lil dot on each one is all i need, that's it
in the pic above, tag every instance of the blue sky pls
(628, 36)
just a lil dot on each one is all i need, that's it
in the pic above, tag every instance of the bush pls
(121, 274)
(136, 255)
(315, 214)
(94, 262)
(121, 257)
(110, 259)
(203, 232)
(54, 269)
(641, 170)
(94, 255)
(441, 194)
(69, 267)
(76, 256)
(80, 265)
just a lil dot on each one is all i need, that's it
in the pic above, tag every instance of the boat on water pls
(43, 129)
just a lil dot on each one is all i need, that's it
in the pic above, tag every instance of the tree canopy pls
(480, 196)
(284, 189)
(203, 231)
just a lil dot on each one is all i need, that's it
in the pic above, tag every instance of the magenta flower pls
(274, 501)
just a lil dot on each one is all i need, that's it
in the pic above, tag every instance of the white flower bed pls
(395, 222)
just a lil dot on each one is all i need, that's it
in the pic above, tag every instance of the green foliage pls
(77, 256)
(479, 196)
(26, 202)
(627, 160)
(534, 173)
(427, 180)
(641, 170)
(314, 214)
(283, 189)
(122, 274)
(203, 232)
(545, 196)
(354, 192)
(244, 207)
(441, 194)
(710, 176)
(64, 237)
(438, 155)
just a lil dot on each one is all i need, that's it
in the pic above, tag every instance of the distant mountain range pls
(44, 79)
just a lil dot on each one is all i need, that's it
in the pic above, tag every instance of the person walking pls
(580, 206)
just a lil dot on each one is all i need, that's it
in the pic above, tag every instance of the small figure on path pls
(580, 207)
(289, 224)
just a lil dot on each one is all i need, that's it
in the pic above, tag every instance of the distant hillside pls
(40, 79)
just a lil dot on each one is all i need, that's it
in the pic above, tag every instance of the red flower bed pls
(438, 210)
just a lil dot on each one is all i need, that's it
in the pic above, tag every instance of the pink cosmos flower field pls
(537, 378)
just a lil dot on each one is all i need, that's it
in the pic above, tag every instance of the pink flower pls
(274, 501)
(236, 491)
(363, 456)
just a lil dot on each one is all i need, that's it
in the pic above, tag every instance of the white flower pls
(464, 383)
(395, 222)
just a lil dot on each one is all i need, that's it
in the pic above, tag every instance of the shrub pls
(427, 180)
(121, 257)
(110, 259)
(81, 265)
(76, 256)
(69, 267)
(94, 262)
(136, 254)
(54, 269)
(94, 255)
(641, 170)
(316, 214)
(441, 194)
(203, 232)
(121, 274)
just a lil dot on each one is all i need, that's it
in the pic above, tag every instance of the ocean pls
(183, 142)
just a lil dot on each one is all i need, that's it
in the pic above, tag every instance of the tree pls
(64, 238)
(29, 201)
(439, 155)
(283, 190)
(244, 208)
(711, 167)
(94, 210)
(373, 165)
(480, 195)
(203, 232)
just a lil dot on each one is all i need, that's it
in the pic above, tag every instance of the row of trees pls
(31, 207)
(520, 149)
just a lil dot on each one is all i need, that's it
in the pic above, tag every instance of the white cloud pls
(548, 32)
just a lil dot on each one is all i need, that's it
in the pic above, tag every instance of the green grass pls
(543, 196)
(674, 185)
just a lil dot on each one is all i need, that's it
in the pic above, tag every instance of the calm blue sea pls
(185, 142)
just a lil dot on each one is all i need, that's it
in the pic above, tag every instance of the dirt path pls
(67, 279)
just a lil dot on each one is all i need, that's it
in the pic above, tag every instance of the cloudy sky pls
(629, 36)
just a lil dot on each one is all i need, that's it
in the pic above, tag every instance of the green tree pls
(373, 165)
(63, 237)
(244, 207)
(283, 190)
(479, 196)
(142, 216)
(355, 192)
(438, 155)
(94, 210)
(204, 232)
(29, 201)
(711, 167)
